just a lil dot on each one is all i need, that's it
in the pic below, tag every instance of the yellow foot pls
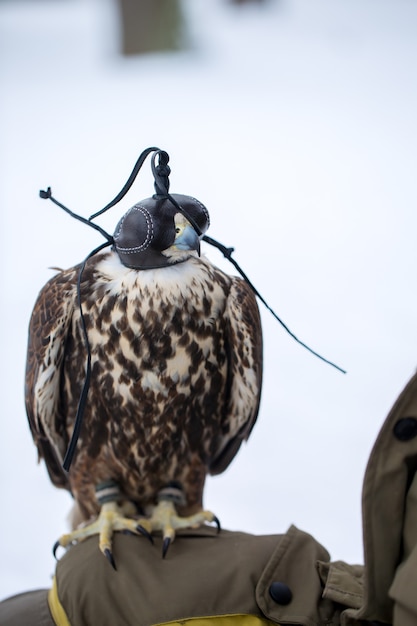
(112, 517)
(165, 518)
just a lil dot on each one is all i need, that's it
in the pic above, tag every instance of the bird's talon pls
(144, 532)
(217, 522)
(109, 556)
(55, 548)
(165, 546)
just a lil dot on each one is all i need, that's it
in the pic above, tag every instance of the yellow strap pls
(60, 618)
(57, 610)
(221, 620)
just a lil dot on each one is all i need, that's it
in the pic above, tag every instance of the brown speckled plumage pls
(175, 379)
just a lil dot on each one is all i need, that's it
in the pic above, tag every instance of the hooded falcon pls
(175, 368)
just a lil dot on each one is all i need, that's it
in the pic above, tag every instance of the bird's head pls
(157, 232)
(186, 242)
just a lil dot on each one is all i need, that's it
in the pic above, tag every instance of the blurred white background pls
(294, 121)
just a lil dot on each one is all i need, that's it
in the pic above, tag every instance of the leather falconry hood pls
(148, 228)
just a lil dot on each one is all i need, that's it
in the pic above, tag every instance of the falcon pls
(174, 346)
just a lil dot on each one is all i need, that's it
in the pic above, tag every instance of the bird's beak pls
(188, 240)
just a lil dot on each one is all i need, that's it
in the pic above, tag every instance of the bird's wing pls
(244, 348)
(48, 330)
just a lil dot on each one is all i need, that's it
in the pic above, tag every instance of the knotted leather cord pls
(161, 173)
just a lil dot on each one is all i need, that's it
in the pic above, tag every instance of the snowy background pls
(295, 123)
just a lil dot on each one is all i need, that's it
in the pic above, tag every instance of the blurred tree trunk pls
(152, 26)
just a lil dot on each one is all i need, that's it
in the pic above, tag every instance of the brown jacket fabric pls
(389, 505)
(204, 574)
(232, 577)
